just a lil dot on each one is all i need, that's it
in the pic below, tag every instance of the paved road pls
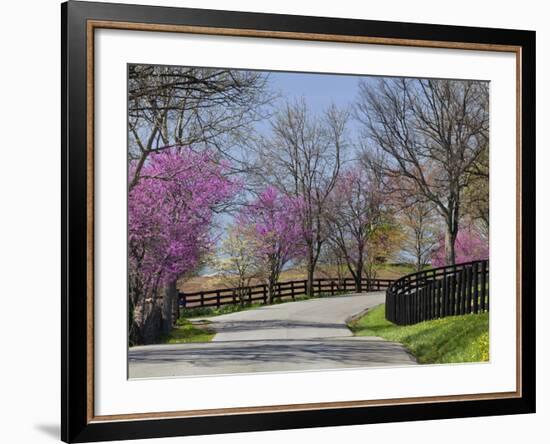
(304, 335)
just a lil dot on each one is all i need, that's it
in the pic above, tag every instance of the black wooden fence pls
(283, 291)
(446, 291)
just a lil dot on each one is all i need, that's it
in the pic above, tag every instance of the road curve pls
(310, 319)
(304, 335)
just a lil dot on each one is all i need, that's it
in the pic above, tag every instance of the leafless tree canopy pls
(303, 156)
(170, 106)
(420, 230)
(431, 134)
(353, 218)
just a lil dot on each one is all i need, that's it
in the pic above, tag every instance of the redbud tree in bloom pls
(274, 227)
(170, 216)
(470, 246)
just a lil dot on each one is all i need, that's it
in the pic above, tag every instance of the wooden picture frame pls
(79, 22)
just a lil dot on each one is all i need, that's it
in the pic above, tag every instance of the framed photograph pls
(275, 222)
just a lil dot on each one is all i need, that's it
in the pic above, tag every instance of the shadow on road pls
(295, 351)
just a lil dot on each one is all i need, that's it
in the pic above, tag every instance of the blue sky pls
(319, 90)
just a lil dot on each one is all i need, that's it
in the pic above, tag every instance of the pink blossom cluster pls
(170, 211)
(470, 246)
(273, 221)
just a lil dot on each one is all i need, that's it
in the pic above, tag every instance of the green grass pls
(396, 269)
(185, 332)
(449, 340)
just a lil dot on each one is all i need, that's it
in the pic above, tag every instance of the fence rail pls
(446, 291)
(283, 290)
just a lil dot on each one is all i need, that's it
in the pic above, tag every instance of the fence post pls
(264, 293)
(445, 298)
(453, 293)
(483, 286)
(292, 290)
(417, 306)
(423, 303)
(429, 301)
(202, 298)
(459, 298)
(332, 288)
(488, 292)
(432, 300)
(422, 293)
(467, 293)
(440, 298)
(476, 290)
(218, 301)
(426, 301)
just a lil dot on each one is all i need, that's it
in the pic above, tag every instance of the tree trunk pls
(147, 322)
(176, 306)
(168, 301)
(310, 272)
(154, 316)
(270, 291)
(452, 229)
(358, 279)
(242, 293)
(450, 240)
(418, 264)
(359, 270)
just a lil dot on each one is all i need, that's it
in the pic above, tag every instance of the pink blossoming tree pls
(274, 227)
(170, 215)
(470, 246)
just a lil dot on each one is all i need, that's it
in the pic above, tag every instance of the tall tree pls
(170, 215)
(431, 133)
(419, 222)
(303, 157)
(356, 213)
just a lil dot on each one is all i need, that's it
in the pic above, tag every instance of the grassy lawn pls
(185, 332)
(448, 340)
